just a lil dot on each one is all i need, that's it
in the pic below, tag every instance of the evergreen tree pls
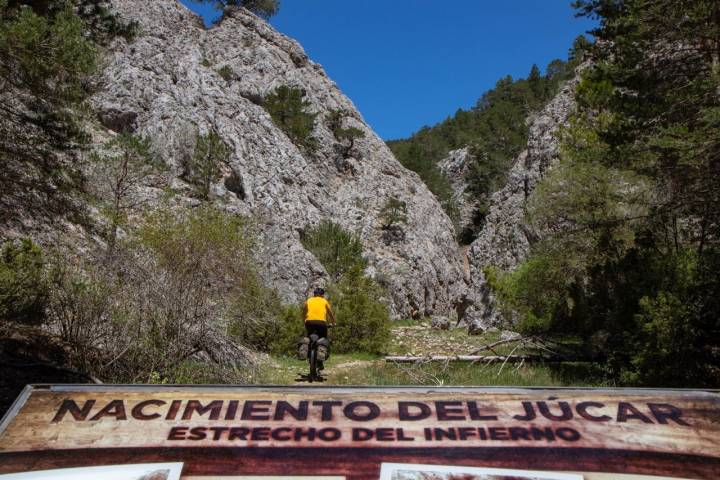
(338, 250)
(290, 111)
(23, 283)
(46, 55)
(633, 209)
(203, 167)
(261, 8)
(536, 83)
(346, 136)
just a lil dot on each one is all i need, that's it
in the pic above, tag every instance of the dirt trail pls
(414, 339)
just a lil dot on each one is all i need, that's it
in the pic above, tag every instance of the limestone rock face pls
(505, 239)
(165, 86)
(455, 168)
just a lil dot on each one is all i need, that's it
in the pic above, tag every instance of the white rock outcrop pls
(455, 167)
(165, 86)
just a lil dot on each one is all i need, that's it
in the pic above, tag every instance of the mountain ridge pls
(159, 81)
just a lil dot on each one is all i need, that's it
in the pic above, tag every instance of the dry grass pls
(419, 339)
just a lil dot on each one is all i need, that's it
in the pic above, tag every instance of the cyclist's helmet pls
(319, 291)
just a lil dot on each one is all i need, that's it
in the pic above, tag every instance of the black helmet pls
(319, 291)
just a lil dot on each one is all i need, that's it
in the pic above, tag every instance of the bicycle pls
(314, 375)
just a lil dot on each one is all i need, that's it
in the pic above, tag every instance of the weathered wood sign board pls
(239, 432)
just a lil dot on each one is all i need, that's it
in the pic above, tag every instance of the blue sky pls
(409, 63)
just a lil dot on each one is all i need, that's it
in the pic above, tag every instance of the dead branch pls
(491, 346)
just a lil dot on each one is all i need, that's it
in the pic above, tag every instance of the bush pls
(170, 299)
(23, 283)
(286, 332)
(289, 110)
(394, 212)
(338, 250)
(363, 319)
(538, 291)
(227, 73)
(81, 312)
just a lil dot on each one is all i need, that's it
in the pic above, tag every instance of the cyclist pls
(316, 313)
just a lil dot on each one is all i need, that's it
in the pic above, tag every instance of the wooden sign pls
(238, 432)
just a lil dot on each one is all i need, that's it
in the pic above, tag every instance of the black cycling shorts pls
(318, 327)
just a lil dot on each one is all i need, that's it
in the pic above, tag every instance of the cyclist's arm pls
(304, 311)
(331, 315)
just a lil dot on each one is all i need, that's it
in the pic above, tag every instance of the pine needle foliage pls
(291, 112)
(204, 166)
(336, 249)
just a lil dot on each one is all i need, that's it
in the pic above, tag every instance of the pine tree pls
(262, 8)
(536, 82)
(290, 111)
(203, 167)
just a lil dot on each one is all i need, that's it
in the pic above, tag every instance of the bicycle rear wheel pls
(313, 363)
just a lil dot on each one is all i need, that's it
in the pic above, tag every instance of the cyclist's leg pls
(323, 333)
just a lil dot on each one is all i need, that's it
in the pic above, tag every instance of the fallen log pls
(475, 358)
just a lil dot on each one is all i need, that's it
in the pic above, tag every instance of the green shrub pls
(538, 290)
(46, 54)
(289, 110)
(227, 73)
(203, 240)
(254, 313)
(363, 321)
(357, 300)
(23, 283)
(394, 212)
(336, 249)
(203, 167)
(346, 136)
(285, 333)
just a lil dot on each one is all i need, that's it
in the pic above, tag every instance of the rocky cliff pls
(505, 239)
(166, 86)
(455, 168)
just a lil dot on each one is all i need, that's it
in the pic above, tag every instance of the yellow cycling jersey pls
(317, 309)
